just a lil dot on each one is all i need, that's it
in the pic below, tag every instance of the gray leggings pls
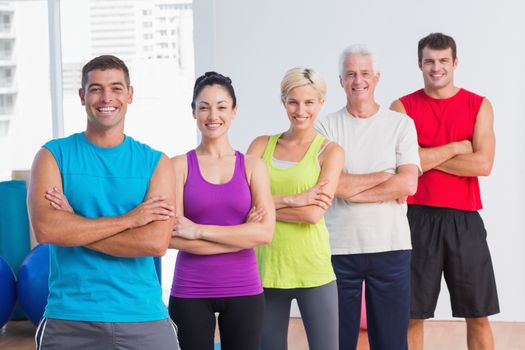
(318, 306)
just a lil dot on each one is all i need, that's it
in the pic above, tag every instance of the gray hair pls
(356, 49)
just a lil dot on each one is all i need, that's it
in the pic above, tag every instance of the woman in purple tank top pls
(224, 209)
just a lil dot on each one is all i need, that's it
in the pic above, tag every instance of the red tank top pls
(438, 122)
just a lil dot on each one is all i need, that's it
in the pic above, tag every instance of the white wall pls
(255, 42)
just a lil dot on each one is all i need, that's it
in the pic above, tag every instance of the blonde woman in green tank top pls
(304, 171)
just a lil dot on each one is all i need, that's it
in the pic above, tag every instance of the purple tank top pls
(219, 275)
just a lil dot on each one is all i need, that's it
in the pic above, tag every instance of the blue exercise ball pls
(7, 292)
(32, 283)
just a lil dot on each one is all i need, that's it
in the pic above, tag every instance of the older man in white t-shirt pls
(370, 236)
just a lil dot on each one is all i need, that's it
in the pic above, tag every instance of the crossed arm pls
(309, 206)
(144, 231)
(352, 184)
(463, 158)
(399, 185)
(214, 239)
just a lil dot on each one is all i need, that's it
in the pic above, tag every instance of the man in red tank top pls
(457, 143)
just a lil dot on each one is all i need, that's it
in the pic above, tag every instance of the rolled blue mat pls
(217, 346)
(14, 227)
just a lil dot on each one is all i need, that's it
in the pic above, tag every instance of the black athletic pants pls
(240, 321)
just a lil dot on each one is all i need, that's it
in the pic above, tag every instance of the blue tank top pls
(86, 285)
(218, 275)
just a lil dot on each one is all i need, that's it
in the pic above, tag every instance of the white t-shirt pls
(381, 142)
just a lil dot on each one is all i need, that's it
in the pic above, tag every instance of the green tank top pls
(299, 255)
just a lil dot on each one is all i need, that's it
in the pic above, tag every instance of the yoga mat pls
(14, 227)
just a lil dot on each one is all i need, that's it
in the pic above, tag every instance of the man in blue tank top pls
(104, 203)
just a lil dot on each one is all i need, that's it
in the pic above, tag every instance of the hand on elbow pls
(463, 147)
(155, 208)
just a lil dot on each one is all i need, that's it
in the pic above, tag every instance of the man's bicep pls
(483, 137)
(45, 175)
(407, 149)
(162, 182)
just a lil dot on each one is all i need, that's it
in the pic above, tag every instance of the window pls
(24, 80)
(160, 114)
(4, 126)
(6, 104)
(6, 76)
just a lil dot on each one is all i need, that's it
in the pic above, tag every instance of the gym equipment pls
(14, 228)
(8, 292)
(32, 283)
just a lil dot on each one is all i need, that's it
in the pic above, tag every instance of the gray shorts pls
(54, 334)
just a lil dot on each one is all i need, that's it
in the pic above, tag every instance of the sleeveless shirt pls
(438, 122)
(86, 285)
(216, 275)
(299, 254)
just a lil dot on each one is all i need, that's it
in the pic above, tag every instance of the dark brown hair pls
(104, 62)
(436, 41)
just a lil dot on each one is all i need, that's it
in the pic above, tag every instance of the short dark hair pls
(436, 41)
(209, 79)
(104, 62)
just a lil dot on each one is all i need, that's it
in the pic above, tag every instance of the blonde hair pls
(301, 76)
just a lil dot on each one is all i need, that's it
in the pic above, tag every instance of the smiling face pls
(106, 96)
(359, 79)
(214, 111)
(302, 104)
(438, 68)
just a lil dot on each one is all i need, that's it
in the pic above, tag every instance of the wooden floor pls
(439, 335)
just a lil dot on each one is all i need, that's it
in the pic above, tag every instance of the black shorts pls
(452, 242)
